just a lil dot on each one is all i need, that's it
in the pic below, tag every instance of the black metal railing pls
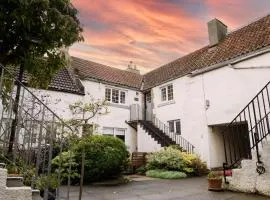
(137, 114)
(248, 129)
(176, 137)
(40, 134)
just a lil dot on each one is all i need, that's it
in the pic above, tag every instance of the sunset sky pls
(154, 32)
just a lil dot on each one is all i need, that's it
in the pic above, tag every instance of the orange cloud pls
(152, 32)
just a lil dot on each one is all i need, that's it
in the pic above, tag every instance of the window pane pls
(178, 127)
(163, 94)
(115, 96)
(123, 97)
(171, 126)
(119, 131)
(121, 137)
(170, 92)
(107, 131)
(108, 94)
(148, 97)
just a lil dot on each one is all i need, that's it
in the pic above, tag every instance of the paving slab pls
(159, 189)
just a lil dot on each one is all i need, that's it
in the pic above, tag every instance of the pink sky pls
(154, 32)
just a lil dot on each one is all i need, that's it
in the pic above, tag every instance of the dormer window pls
(115, 96)
(167, 93)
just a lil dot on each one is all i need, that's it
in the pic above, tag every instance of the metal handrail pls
(177, 138)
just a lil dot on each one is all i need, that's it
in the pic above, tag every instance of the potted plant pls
(214, 182)
(50, 182)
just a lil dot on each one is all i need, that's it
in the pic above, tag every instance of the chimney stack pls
(217, 31)
(132, 68)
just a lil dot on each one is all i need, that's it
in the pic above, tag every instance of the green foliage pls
(141, 170)
(172, 158)
(214, 175)
(105, 156)
(62, 163)
(168, 158)
(43, 181)
(33, 33)
(165, 174)
(28, 175)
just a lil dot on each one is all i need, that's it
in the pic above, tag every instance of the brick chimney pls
(133, 68)
(217, 31)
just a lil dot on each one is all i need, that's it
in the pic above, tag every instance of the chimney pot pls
(217, 31)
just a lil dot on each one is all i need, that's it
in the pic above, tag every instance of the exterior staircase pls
(157, 130)
(247, 147)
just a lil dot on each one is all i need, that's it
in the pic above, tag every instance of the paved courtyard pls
(186, 189)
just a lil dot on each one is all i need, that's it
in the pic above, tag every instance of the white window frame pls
(114, 131)
(174, 126)
(165, 97)
(120, 94)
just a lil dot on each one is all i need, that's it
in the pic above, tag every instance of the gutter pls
(230, 62)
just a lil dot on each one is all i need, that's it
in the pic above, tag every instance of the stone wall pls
(247, 179)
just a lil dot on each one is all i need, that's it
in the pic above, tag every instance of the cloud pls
(152, 32)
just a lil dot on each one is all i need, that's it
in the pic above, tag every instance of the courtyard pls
(159, 189)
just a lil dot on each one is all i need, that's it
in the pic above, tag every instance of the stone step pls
(15, 181)
(36, 195)
(3, 178)
(18, 193)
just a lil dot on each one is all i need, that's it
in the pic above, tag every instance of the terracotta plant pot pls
(214, 184)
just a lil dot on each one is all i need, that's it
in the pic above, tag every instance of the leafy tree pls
(32, 36)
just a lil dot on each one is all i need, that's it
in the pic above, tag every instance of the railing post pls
(260, 166)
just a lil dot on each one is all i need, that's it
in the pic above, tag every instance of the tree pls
(32, 36)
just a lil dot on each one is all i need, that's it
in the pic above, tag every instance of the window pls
(116, 132)
(175, 126)
(108, 94)
(115, 96)
(167, 93)
(148, 97)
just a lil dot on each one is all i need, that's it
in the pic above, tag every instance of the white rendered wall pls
(59, 102)
(145, 142)
(228, 90)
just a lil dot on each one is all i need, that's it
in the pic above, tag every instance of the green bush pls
(62, 163)
(141, 170)
(105, 157)
(173, 159)
(168, 158)
(165, 174)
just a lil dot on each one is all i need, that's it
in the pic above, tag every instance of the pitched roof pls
(92, 70)
(64, 81)
(240, 42)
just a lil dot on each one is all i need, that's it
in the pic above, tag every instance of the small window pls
(108, 94)
(163, 94)
(175, 126)
(167, 93)
(171, 126)
(115, 132)
(148, 97)
(115, 96)
(122, 97)
(170, 92)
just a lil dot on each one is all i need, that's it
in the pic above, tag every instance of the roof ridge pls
(256, 19)
(89, 61)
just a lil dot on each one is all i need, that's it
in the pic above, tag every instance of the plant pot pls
(215, 184)
(51, 194)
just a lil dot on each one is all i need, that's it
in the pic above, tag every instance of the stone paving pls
(157, 189)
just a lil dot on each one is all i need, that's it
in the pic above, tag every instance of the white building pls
(194, 97)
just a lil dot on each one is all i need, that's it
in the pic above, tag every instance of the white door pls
(148, 105)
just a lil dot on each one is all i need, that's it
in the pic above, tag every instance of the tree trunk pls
(15, 110)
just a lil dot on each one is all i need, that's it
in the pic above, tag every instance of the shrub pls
(62, 162)
(105, 157)
(168, 158)
(165, 174)
(214, 175)
(171, 158)
(141, 170)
